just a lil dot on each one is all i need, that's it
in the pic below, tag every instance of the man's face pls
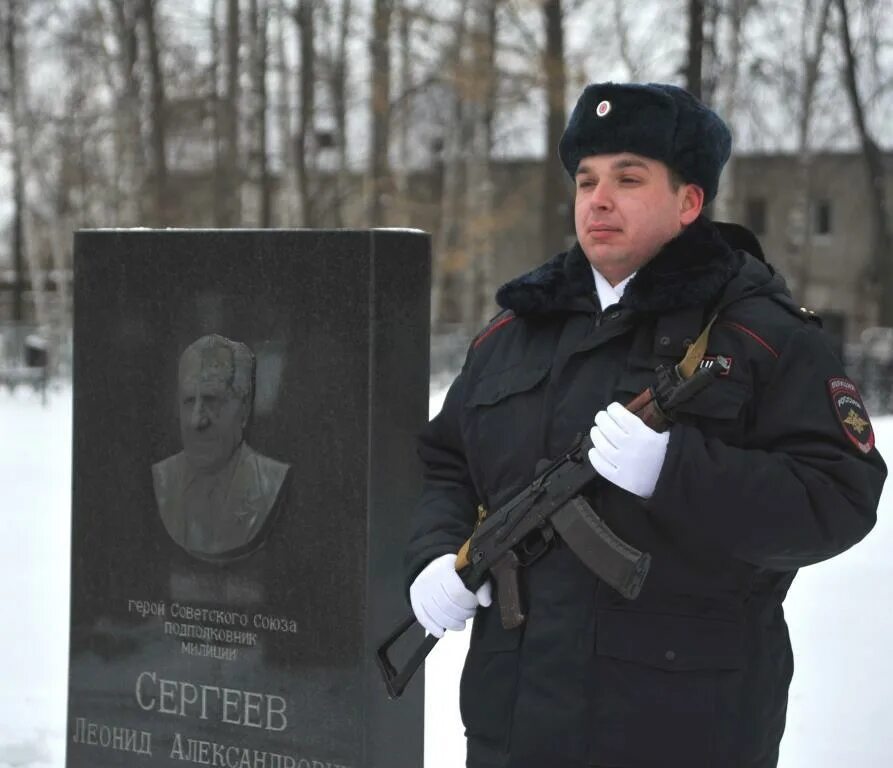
(212, 416)
(626, 209)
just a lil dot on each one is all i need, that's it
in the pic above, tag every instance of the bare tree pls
(15, 48)
(403, 114)
(693, 69)
(623, 40)
(727, 79)
(479, 213)
(874, 168)
(555, 195)
(288, 189)
(380, 110)
(811, 64)
(130, 179)
(450, 254)
(305, 144)
(157, 121)
(216, 106)
(258, 14)
(229, 189)
(11, 23)
(339, 79)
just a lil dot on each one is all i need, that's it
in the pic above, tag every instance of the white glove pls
(626, 451)
(440, 600)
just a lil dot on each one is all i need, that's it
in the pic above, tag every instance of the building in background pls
(823, 247)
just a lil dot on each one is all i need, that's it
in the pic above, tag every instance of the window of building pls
(756, 215)
(822, 217)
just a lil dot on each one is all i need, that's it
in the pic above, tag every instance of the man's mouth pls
(601, 233)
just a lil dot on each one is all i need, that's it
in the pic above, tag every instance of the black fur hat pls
(659, 121)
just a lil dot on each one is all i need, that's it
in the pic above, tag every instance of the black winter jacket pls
(767, 470)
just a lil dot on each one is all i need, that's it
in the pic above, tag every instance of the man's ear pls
(692, 204)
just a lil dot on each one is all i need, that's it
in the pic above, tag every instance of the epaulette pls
(496, 322)
(806, 315)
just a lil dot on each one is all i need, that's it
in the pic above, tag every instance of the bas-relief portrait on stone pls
(218, 497)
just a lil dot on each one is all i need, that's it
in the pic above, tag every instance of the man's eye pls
(190, 401)
(629, 180)
(585, 184)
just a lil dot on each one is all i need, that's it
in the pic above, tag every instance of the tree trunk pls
(131, 181)
(450, 256)
(18, 181)
(216, 113)
(258, 14)
(22, 224)
(695, 47)
(379, 171)
(811, 63)
(305, 144)
(339, 101)
(874, 168)
(404, 52)
(230, 212)
(287, 196)
(479, 288)
(157, 127)
(555, 187)
(621, 28)
(726, 205)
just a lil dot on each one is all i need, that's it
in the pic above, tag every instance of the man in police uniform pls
(770, 468)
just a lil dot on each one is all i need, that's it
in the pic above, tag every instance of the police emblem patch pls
(851, 413)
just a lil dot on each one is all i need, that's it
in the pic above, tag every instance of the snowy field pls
(840, 614)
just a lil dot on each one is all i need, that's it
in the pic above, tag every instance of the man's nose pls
(601, 197)
(198, 419)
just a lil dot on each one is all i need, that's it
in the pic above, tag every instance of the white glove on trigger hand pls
(626, 451)
(440, 600)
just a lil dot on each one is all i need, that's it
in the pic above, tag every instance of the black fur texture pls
(690, 270)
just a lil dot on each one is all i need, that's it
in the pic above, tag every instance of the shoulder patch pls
(503, 318)
(851, 413)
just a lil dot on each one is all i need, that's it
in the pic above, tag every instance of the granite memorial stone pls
(245, 408)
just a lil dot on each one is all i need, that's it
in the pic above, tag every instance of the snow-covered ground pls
(840, 614)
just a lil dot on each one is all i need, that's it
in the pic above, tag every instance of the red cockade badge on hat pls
(851, 412)
(603, 108)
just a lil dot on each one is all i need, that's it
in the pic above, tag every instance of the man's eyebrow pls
(628, 162)
(617, 165)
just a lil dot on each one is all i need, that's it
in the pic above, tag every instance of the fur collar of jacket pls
(690, 270)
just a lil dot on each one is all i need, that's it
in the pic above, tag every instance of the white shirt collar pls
(609, 294)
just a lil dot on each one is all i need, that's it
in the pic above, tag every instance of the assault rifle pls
(521, 531)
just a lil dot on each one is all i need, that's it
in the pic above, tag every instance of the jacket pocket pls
(720, 400)
(719, 410)
(661, 684)
(489, 680)
(502, 429)
(495, 387)
(670, 642)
